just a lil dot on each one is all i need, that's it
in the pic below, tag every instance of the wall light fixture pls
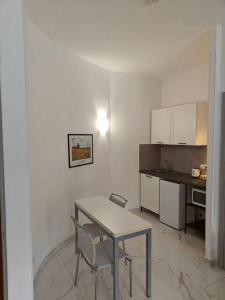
(102, 122)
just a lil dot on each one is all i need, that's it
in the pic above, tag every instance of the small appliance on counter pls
(195, 172)
(200, 172)
(203, 171)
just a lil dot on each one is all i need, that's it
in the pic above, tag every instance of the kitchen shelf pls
(198, 226)
(195, 206)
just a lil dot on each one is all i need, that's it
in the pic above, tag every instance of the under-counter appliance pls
(150, 193)
(198, 197)
(172, 204)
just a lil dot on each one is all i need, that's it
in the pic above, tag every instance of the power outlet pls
(201, 215)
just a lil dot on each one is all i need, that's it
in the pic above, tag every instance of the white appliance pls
(198, 197)
(150, 193)
(172, 204)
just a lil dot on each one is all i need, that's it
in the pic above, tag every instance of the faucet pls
(165, 163)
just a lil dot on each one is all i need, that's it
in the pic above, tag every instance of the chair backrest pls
(85, 243)
(118, 199)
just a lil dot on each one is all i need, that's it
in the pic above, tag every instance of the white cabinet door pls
(150, 192)
(184, 124)
(161, 126)
(172, 204)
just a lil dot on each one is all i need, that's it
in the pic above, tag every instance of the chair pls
(121, 201)
(95, 230)
(118, 199)
(97, 256)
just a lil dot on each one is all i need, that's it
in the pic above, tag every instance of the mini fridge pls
(172, 204)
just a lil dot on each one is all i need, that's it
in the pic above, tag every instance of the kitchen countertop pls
(176, 177)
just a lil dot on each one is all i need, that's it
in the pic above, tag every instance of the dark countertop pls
(176, 177)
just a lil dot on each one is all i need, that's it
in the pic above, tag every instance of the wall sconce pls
(102, 122)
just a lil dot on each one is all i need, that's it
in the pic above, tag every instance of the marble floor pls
(179, 271)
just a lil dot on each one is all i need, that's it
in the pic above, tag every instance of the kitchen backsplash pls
(149, 157)
(184, 158)
(180, 158)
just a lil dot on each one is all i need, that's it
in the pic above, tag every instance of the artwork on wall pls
(80, 149)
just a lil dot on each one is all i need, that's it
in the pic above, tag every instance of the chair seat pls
(94, 230)
(104, 254)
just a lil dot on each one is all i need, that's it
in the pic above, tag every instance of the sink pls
(172, 172)
(156, 170)
(164, 171)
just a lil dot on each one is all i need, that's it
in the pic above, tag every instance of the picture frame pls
(80, 150)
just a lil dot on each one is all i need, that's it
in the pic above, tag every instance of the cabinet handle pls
(182, 143)
(159, 142)
(149, 176)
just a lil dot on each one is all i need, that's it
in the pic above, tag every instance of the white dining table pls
(119, 224)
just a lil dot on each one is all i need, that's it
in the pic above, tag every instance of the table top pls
(115, 220)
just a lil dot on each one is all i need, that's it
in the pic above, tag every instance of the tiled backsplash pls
(180, 158)
(184, 158)
(149, 157)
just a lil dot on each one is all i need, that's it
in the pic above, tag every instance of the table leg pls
(116, 287)
(77, 219)
(148, 263)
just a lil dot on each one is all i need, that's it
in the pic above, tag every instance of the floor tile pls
(216, 291)
(179, 271)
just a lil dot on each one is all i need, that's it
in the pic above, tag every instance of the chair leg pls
(96, 284)
(77, 269)
(131, 285)
(124, 249)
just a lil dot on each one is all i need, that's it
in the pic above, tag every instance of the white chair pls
(95, 230)
(97, 256)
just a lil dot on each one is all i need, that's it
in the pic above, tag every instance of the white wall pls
(16, 177)
(64, 94)
(132, 99)
(189, 86)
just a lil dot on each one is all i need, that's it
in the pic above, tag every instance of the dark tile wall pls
(180, 158)
(149, 157)
(184, 158)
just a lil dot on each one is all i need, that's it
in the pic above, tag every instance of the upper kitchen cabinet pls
(184, 125)
(190, 124)
(180, 125)
(161, 126)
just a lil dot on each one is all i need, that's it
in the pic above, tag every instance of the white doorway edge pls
(15, 151)
(214, 139)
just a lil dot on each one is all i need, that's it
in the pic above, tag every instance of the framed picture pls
(80, 149)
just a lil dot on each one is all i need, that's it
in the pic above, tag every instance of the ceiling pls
(158, 39)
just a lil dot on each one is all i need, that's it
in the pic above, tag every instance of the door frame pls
(214, 142)
(2, 212)
(15, 151)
